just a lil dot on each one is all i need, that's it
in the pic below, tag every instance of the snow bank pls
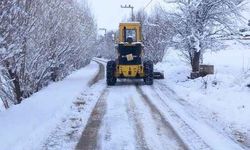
(222, 99)
(28, 124)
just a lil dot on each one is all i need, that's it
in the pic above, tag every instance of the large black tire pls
(149, 73)
(110, 73)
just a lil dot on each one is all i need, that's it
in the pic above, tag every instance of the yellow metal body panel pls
(130, 26)
(130, 71)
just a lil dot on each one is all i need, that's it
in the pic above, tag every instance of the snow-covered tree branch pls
(42, 41)
(199, 23)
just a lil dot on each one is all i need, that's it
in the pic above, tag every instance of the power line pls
(132, 9)
(148, 5)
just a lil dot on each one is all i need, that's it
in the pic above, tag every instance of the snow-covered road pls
(131, 116)
(124, 119)
(127, 116)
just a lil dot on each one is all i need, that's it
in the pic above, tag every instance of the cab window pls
(130, 33)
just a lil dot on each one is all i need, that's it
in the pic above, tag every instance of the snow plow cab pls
(129, 63)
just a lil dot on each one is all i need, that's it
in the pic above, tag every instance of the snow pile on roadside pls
(28, 124)
(222, 99)
(68, 132)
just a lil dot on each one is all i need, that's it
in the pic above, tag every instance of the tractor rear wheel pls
(110, 73)
(149, 73)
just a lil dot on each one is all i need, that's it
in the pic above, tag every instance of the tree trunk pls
(6, 104)
(54, 74)
(196, 61)
(17, 88)
(15, 80)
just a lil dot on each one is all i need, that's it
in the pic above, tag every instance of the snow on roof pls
(130, 23)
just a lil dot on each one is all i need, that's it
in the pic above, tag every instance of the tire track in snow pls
(192, 110)
(99, 76)
(68, 132)
(186, 133)
(89, 139)
(117, 130)
(167, 135)
(139, 133)
(170, 92)
(129, 112)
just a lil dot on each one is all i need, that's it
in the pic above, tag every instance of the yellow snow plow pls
(129, 63)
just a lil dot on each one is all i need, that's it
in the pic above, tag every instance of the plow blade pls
(158, 75)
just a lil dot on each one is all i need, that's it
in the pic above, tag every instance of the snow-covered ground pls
(27, 125)
(175, 113)
(221, 100)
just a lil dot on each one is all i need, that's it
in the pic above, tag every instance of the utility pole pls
(132, 9)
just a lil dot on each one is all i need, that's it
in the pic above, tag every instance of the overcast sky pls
(108, 13)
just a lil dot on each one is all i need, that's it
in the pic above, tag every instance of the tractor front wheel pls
(149, 73)
(110, 73)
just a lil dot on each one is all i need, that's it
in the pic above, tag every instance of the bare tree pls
(41, 41)
(199, 23)
(156, 32)
(106, 45)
